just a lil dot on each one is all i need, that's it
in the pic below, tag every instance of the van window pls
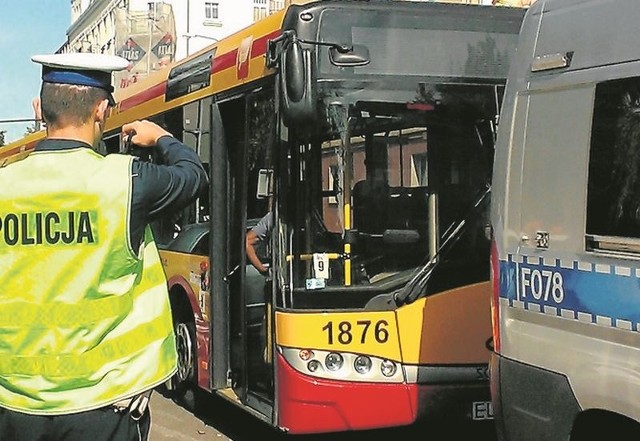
(613, 205)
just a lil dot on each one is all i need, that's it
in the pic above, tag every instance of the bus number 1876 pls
(344, 332)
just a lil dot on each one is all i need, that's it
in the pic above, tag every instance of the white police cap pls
(81, 69)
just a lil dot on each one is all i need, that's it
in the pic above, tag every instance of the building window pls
(211, 10)
(276, 5)
(259, 13)
(419, 170)
(153, 7)
(260, 10)
(333, 181)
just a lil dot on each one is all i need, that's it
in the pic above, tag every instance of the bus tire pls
(183, 381)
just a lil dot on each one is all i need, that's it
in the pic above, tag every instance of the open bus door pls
(249, 137)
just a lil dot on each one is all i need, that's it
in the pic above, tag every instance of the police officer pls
(85, 324)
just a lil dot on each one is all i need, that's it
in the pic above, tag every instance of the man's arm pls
(171, 185)
(251, 240)
(160, 189)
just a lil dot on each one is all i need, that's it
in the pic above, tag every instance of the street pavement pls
(170, 422)
(219, 420)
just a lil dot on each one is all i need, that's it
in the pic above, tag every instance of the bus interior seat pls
(369, 206)
(380, 208)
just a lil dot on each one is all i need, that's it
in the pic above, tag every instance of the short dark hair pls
(69, 105)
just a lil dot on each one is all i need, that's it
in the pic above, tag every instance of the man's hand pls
(144, 133)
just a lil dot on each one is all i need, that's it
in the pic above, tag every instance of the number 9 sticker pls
(321, 265)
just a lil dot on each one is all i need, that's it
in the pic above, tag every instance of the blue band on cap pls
(76, 77)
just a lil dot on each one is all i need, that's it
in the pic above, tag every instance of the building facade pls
(152, 34)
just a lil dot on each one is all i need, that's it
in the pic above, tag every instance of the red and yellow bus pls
(366, 130)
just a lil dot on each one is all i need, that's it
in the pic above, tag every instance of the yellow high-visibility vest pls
(85, 321)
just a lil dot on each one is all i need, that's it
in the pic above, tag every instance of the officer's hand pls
(144, 133)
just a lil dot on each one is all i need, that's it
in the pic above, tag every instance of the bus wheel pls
(183, 379)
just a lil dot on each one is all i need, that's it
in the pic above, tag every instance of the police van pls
(566, 227)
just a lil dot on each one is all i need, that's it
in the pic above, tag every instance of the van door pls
(554, 168)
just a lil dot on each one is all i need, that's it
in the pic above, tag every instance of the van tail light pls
(495, 297)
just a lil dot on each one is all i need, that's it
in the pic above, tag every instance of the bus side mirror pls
(356, 55)
(296, 84)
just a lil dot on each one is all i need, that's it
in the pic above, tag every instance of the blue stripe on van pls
(601, 294)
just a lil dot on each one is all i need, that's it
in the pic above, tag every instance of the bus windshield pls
(374, 198)
(451, 45)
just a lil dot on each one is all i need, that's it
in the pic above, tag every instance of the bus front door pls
(248, 123)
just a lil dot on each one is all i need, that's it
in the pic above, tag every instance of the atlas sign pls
(131, 51)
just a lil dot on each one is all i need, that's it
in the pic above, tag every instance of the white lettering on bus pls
(542, 285)
(482, 410)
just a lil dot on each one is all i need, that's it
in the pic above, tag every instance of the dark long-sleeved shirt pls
(157, 189)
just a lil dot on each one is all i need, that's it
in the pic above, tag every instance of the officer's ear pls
(37, 108)
(102, 110)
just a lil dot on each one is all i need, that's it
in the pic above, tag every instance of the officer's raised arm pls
(144, 133)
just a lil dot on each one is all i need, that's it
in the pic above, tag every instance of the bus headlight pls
(334, 361)
(362, 364)
(305, 354)
(313, 365)
(347, 366)
(388, 368)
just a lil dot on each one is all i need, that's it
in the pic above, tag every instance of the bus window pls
(111, 143)
(259, 155)
(401, 182)
(191, 125)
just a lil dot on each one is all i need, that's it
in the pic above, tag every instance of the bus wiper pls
(416, 287)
